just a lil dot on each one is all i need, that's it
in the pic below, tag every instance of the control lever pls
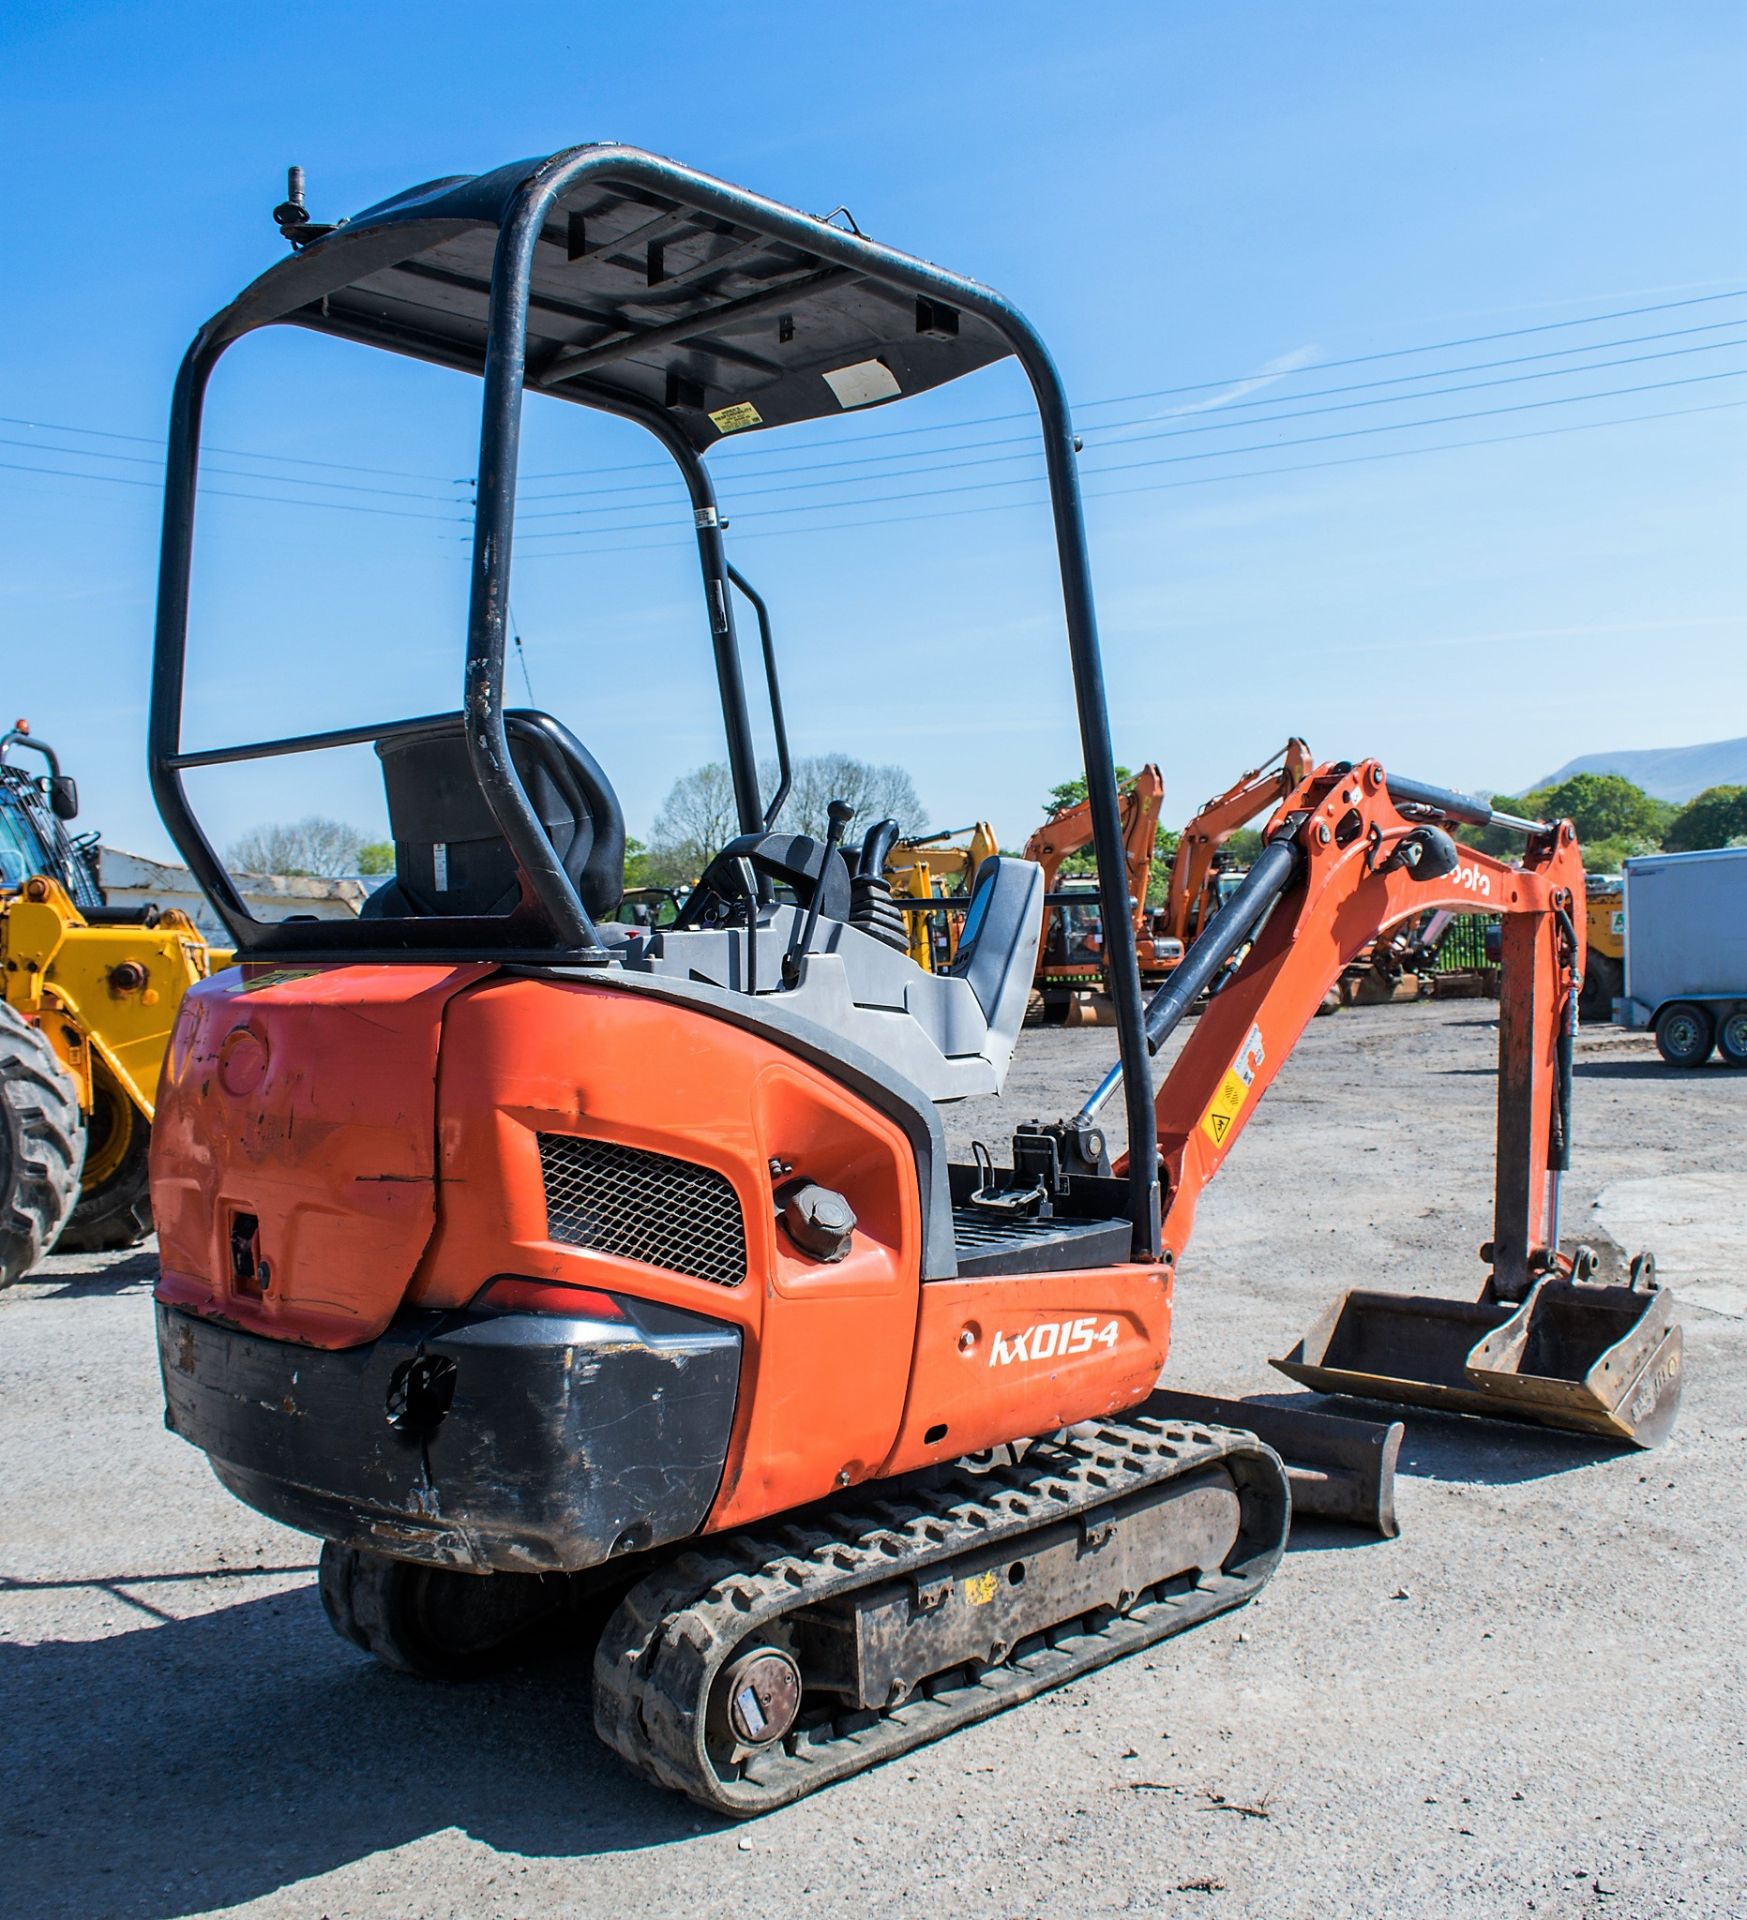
(840, 814)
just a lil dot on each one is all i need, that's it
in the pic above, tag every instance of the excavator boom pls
(1347, 855)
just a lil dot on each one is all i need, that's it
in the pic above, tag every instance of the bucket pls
(1574, 1355)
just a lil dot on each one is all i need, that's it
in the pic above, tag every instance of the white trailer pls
(1686, 954)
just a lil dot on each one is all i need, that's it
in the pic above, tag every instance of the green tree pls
(1164, 852)
(376, 856)
(1244, 848)
(1607, 809)
(1715, 818)
(636, 863)
(1069, 793)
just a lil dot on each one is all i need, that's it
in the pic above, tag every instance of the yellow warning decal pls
(276, 977)
(980, 1589)
(1223, 1109)
(732, 419)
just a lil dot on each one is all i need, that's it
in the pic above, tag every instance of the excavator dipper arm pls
(1361, 864)
(1348, 855)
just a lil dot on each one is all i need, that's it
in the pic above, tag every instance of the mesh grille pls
(643, 1206)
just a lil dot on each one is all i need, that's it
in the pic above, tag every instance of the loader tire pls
(1603, 981)
(115, 1199)
(432, 1621)
(42, 1147)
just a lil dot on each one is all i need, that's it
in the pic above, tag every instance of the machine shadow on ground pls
(131, 1273)
(323, 1759)
(1450, 1446)
(1655, 1069)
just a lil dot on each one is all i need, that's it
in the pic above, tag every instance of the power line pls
(1155, 486)
(225, 493)
(234, 473)
(1214, 453)
(1224, 407)
(1035, 453)
(461, 519)
(238, 453)
(1207, 386)
(746, 453)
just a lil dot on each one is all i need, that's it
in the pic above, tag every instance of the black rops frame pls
(557, 925)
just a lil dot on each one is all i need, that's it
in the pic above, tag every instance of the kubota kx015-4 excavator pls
(502, 1244)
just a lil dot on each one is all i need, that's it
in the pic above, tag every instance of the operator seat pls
(449, 857)
(997, 950)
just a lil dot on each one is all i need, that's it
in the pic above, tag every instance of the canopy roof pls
(641, 299)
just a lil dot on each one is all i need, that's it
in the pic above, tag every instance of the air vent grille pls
(643, 1206)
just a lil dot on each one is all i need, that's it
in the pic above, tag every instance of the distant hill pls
(1670, 773)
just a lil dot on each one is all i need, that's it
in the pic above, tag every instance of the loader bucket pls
(1589, 1359)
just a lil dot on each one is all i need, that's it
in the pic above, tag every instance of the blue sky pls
(1202, 206)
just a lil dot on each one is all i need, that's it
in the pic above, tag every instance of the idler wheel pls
(763, 1690)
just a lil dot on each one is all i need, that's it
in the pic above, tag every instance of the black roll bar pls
(505, 377)
(784, 783)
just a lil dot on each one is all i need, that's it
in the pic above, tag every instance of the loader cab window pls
(21, 852)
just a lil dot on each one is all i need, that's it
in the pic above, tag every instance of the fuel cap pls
(819, 1221)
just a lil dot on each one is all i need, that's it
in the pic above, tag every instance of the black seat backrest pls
(450, 858)
(997, 948)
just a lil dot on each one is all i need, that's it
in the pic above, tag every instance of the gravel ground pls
(1530, 1703)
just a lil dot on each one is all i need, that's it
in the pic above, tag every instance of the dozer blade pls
(1337, 1468)
(1585, 1358)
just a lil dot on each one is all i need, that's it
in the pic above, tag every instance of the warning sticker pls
(1225, 1106)
(980, 1588)
(274, 977)
(732, 419)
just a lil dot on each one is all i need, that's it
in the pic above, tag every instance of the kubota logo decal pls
(1052, 1339)
(1472, 879)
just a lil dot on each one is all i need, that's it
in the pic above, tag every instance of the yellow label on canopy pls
(732, 419)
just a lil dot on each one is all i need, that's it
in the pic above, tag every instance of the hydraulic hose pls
(1234, 923)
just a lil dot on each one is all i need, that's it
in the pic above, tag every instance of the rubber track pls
(661, 1651)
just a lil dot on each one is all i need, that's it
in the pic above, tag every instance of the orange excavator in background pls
(525, 1257)
(1071, 953)
(1192, 897)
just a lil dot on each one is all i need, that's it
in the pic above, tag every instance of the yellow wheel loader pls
(88, 995)
(937, 869)
(1604, 976)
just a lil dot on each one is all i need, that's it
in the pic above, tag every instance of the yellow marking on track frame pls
(1224, 1107)
(980, 1588)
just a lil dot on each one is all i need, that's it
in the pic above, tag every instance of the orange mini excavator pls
(1070, 953)
(1192, 898)
(520, 1254)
